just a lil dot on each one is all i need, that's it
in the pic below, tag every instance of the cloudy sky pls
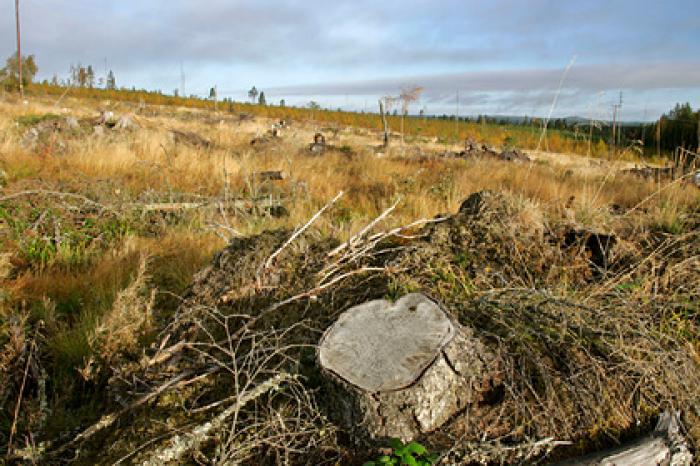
(502, 56)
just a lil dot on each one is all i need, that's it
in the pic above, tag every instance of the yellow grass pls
(124, 167)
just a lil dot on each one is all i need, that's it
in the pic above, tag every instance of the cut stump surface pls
(379, 346)
(401, 369)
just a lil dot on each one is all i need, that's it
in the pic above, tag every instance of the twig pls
(268, 262)
(305, 294)
(362, 232)
(13, 430)
(62, 96)
(658, 191)
(543, 135)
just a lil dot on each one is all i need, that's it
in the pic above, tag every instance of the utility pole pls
(19, 51)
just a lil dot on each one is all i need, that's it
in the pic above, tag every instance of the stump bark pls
(401, 369)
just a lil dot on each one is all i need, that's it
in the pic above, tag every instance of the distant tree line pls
(680, 127)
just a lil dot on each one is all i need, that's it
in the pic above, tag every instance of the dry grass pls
(73, 266)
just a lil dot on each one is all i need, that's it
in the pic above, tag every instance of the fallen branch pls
(42, 192)
(108, 420)
(272, 175)
(239, 204)
(268, 262)
(180, 445)
(13, 430)
(362, 232)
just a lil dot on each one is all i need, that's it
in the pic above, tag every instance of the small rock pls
(126, 123)
(72, 123)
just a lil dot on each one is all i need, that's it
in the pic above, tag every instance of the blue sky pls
(503, 56)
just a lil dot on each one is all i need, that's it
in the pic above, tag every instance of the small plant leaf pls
(416, 448)
(395, 443)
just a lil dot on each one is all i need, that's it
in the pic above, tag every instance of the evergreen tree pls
(253, 94)
(111, 83)
(262, 100)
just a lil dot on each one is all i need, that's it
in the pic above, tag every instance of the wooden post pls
(658, 138)
(614, 139)
(384, 123)
(19, 51)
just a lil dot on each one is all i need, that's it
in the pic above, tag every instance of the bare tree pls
(407, 96)
(385, 104)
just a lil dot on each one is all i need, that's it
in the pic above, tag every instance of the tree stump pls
(401, 369)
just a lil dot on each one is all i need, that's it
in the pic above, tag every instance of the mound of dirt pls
(589, 353)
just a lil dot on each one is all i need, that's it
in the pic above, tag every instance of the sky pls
(501, 57)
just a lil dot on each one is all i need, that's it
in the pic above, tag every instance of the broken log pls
(401, 369)
(189, 138)
(664, 447)
(271, 175)
(236, 204)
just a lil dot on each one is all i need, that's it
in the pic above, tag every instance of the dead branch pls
(269, 261)
(180, 445)
(13, 429)
(41, 192)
